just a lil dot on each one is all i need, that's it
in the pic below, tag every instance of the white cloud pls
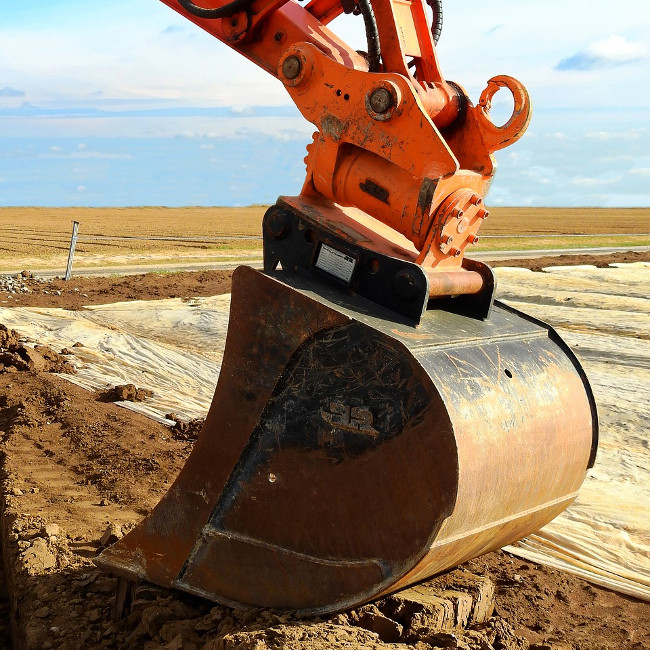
(632, 134)
(612, 51)
(595, 182)
(614, 159)
(84, 155)
(587, 126)
(617, 50)
(134, 61)
(81, 188)
(586, 182)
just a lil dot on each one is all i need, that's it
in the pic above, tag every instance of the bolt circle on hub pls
(461, 213)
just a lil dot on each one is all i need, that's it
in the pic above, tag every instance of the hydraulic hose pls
(365, 7)
(372, 35)
(221, 12)
(436, 22)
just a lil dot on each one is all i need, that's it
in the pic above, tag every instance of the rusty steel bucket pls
(348, 453)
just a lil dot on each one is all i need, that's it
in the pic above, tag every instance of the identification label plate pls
(335, 263)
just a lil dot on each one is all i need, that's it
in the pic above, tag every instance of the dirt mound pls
(8, 338)
(183, 430)
(125, 393)
(78, 470)
(16, 356)
(123, 456)
(599, 261)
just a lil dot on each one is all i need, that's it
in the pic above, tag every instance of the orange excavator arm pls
(379, 417)
(395, 141)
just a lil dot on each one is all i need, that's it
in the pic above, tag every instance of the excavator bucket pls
(378, 417)
(348, 453)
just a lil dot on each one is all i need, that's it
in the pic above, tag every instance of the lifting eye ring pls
(497, 137)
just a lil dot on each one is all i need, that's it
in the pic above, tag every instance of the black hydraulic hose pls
(230, 9)
(372, 35)
(436, 23)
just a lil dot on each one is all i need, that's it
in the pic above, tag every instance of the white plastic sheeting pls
(174, 347)
(604, 315)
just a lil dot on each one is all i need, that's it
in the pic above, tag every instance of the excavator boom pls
(379, 417)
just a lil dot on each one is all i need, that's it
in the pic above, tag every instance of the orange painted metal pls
(411, 156)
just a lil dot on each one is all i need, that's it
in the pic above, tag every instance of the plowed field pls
(39, 238)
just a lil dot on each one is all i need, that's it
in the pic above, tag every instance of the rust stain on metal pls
(327, 427)
(333, 127)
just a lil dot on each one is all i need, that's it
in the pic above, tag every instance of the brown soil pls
(40, 237)
(600, 261)
(125, 393)
(78, 292)
(78, 470)
(32, 228)
(15, 356)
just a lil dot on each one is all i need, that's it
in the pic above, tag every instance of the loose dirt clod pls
(8, 338)
(185, 430)
(125, 392)
(16, 356)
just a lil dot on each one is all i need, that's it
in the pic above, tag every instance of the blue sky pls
(126, 103)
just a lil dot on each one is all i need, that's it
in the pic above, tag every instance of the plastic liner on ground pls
(602, 313)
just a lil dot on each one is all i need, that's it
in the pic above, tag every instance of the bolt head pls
(276, 223)
(380, 100)
(291, 67)
(405, 285)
